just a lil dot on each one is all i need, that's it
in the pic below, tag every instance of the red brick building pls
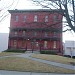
(36, 30)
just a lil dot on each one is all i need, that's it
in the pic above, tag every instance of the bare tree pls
(5, 5)
(67, 5)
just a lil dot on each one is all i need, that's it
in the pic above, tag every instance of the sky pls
(23, 4)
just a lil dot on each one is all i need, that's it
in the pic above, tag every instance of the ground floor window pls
(37, 44)
(45, 44)
(54, 44)
(15, 43)
(23, 43)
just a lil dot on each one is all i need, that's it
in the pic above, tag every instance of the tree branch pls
(68, 18)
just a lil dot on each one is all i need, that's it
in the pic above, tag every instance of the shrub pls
(73, 57)
(48, 52)
(15, 50)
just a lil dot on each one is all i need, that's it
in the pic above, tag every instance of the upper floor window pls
(55, 34)
(16, 18)
(15, 33)
(24, 18)
(35, 18)
(35, 34)
(46, 34)
(24, 32)
(55, 18)
(46, 18)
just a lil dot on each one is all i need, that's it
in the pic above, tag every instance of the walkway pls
(2, 72)
(28, 55)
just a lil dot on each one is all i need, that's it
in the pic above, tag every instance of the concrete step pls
(60, 54)
(37, 52)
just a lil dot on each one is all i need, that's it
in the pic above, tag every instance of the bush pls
(15, 50)
(73, 57)
(48, 52)
(67, 56)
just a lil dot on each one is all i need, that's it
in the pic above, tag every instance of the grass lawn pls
(8, 53)
(55, 58)
(23, 64)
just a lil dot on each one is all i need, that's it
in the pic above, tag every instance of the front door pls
(35, 46)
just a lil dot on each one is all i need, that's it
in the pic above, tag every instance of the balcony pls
(34, 37)
(36, 29)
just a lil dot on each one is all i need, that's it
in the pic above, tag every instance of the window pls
(35, 33)
(35, 18)
(16, 18)
(69, 48)
(15, 43)
(46, 34)
(23, 42)
(74, 48)
(46, 18)
(45, 44)
(24, 32)
(55, 18)
(37, 44)
(55, 34)
(15, 33)
(54, 44)
(24, 18)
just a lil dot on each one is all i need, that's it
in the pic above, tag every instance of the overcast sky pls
(23, 4)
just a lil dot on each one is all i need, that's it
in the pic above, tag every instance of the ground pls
(55, 58)
(24, 64)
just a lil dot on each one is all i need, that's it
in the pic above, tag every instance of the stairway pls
(37, 52)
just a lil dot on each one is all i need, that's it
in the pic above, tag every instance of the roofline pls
(34, 10)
